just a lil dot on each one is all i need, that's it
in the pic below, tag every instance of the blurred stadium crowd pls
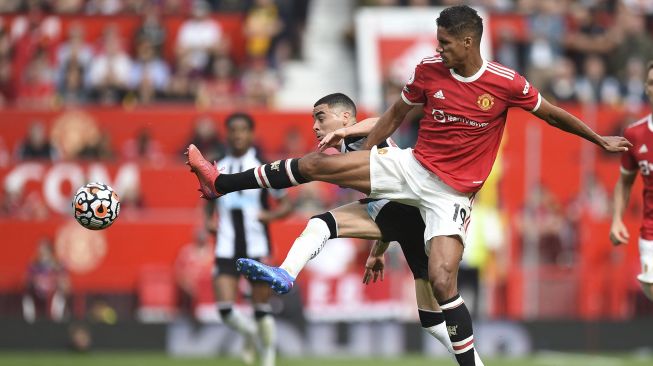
(589, 51)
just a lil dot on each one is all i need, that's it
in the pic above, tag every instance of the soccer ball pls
(96, 206)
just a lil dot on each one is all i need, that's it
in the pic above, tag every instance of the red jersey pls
(640, 157)
(464, 117)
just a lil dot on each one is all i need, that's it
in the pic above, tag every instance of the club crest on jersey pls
(382, 151)
(485, 101)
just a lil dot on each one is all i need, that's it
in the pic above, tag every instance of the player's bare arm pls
(387, 123)
(559, 118)
(618, 231)
(334, 138)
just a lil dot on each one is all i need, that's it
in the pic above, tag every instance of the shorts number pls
(463, 213)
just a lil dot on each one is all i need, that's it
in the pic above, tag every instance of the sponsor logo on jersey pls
(643, 149)
(485, 101)
(440, 116)
(526, 87)
(411, 78)
(438, 95)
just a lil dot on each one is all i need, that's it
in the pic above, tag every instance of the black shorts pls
(404, 224)
(227, 266)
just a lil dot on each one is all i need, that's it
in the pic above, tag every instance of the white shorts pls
(646, 257)
(396, 175)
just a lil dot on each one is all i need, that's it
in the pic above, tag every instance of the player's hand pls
(373, 269)
(332, 139)
(618, 233)
(616, 144)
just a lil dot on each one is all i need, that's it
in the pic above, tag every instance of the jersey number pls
(459, 211)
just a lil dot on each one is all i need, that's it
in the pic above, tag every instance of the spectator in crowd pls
(508, 50)
(37, 145)
(260, 83)
(151, 29)
(632, 85)
(205, 134)
(72, 131)
(143, 148)
(586, 34)
(104, 7)
(98, 148)
(36, 88)
(546, 28)
(200, 38)
(562, 86)
(71, 90)
(595, 86)
(108, 75)
(221, 88)
(73, 58)
(149, 74)
(194, 262)
(47, 286)
(184, 81)
(68, 6)
(7, 91)
(632, 40)
(262, 25)
(74, 49)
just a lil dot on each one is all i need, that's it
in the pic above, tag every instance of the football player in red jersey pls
(639, 158)
(465, 100)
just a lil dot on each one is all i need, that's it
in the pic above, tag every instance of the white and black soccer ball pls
(96, 206)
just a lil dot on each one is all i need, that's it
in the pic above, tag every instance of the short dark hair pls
(240, 115)
(337, 99)
(461, 20)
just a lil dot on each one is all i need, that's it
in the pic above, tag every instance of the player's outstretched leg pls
(213, 184)
(206, 172)
(278, 279)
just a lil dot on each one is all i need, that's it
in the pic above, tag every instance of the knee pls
(310, 165)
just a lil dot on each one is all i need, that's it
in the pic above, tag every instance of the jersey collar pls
(470, 78)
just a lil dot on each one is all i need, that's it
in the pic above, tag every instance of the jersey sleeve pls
(628, 162)
(523, 94)
(413, 91)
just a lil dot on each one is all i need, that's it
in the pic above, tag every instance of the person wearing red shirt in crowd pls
(640, 158)
(465, 100)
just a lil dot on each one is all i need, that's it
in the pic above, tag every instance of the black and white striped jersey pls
(240, 233)
(356, 143)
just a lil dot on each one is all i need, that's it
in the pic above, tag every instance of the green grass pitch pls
(160, 359)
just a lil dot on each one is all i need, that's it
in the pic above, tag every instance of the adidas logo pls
(643, 149)
(439, 94)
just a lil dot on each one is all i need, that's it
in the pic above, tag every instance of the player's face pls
(327, 120)
(649, 86)
(239, 136)
(451, 48)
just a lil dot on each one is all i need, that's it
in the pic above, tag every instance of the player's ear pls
(468, 42)
(346, 115)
